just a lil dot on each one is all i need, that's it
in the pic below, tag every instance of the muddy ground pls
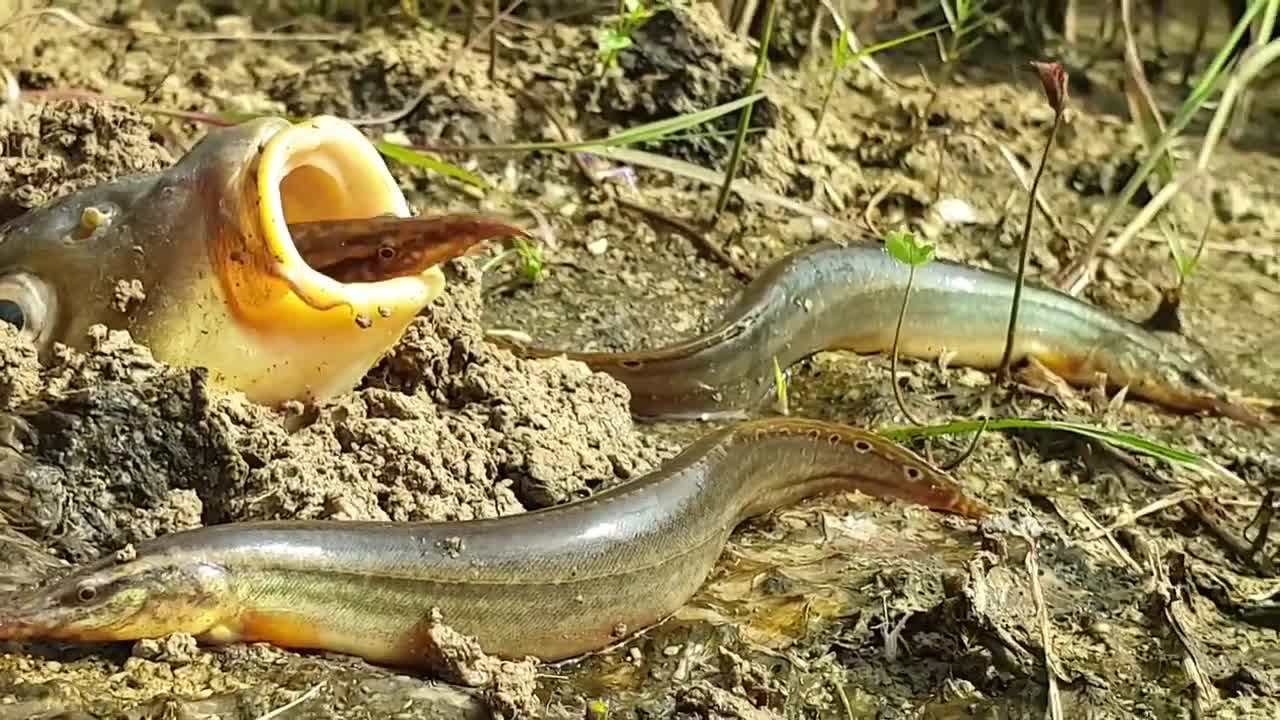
(839, 607)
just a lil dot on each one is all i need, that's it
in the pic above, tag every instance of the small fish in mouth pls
(282, 257)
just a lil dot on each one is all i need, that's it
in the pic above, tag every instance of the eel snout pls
(201, 264)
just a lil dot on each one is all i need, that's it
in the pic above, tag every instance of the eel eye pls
(27, 303)
(86, 593)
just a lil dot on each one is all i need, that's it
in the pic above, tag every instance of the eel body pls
(551, 583)
(831, 296)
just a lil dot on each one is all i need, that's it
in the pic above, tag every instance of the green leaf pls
(531, 256)
(612, 41)
(409, 156)
(840, 53)
(903, 247)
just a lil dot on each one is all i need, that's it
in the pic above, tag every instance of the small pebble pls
(1100, 630)
(955, 211)
(598, 247)
(396, 137)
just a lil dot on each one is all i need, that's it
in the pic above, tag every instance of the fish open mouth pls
(356, 246)
(324, 255)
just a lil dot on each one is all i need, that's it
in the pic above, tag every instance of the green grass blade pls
(650, 132)
(744, 188)
(416, 158)
(887, 44)
(1208, 83)
(1115, 438)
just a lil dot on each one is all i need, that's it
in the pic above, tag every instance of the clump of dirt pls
(681, 61)
(374, 79)
(49, 151)
(447, 428)
(19, 369)
(458, 659)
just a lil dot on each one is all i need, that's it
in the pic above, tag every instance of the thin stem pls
(897, 335)
(973, 445)
(1003, 373)
(493, 42)
(735, 158)
(471, 22)
(826, 96)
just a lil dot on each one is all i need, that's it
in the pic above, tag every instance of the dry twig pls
(1128, 518)
(1054, 710)
(280, 711)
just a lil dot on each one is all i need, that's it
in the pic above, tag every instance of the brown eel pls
(830, 296)
(552, 583)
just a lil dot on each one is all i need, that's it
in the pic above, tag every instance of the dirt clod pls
(49, 151)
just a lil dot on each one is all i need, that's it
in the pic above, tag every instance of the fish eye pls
(27, 303)
(11, 312)
(86, 593)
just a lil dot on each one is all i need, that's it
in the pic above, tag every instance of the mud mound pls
(47, 151)
(110, 447)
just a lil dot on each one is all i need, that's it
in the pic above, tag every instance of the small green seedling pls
(617, 37)
(842, 53)
(532, 264)
(840, 57)
(964, 17)
(904, 248)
